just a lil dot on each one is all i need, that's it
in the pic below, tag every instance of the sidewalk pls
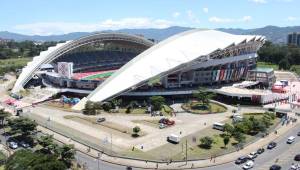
(175, 165)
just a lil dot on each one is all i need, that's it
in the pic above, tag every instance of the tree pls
(21, 125)
(116, 102)
(3, 114)
(67, 153)
(157, 102)
(89, 108)
(229, 129)
(226, 140)
(284, 64)
(107, 106)
(97, 106)
(136, 130)
(206, 142)
(239, 137)
(203, 95)
(48, 144)
(26, 159)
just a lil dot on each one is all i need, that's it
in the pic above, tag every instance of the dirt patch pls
(151, 123)
(107, 126)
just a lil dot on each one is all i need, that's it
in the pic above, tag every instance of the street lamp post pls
(99, 155)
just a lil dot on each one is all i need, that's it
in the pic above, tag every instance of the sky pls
(48, 17)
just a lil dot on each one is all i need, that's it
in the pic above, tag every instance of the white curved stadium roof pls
(62, 48)
(166, 55)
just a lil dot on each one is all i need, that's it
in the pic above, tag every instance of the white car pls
(248, 165)
(290, 140)
(252, 155)
(13, 145)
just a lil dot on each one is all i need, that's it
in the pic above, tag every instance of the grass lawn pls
(2, 156)
(2, 167)
(140, 110)
(268, 65)
(177, 151)
(166, 110)
(198, 108)
(296, 69)
(7, 65)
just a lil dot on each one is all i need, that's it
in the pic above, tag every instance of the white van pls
(173, 138)
(218, 126)
(290, 140)
(237, 117)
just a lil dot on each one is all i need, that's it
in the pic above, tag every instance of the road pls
(284, 152)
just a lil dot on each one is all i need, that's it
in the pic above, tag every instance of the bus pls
(218, 126)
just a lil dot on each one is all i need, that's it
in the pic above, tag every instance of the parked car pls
(260, 150)
(13, 145)
(290, 140)
(248, 165)
(272, 145)
(294, 167)
(24, 144)
(252, 155)
(161, 126)
(298, 134)
(297, 157)
(242, 160)
(101, 119)
(275, 167)
(128, 168)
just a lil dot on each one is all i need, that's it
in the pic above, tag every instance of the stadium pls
(106, 65)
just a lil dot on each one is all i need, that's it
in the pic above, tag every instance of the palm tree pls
(203, 95)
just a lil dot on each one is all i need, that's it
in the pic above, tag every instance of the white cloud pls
(229, 20)
(48, 28)
(176, 14)
(191, 16)
(259, 1)
(246, 19)
(291, 18)
(205, 10)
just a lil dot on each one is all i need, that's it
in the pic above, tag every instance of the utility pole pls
(111, 143)
(186, 149)
(99, 155)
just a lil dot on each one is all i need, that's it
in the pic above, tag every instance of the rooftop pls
(263, 69)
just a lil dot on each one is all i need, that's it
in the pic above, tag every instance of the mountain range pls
(272, 33)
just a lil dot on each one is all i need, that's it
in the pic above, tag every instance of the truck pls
(173, 138)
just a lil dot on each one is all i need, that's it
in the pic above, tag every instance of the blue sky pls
(45, 17)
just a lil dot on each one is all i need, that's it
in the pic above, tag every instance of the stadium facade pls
(109, 65)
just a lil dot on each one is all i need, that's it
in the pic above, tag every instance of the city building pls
(293, 39)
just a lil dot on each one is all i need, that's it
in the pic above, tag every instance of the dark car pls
(272, 145)
(297, 157)
(101, 119)
(298, 134)
(275, 167)
(241, 160)
(128, 168)
(260, 150)
(24, 144)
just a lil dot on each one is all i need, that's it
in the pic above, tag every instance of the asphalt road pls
(283, 152)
